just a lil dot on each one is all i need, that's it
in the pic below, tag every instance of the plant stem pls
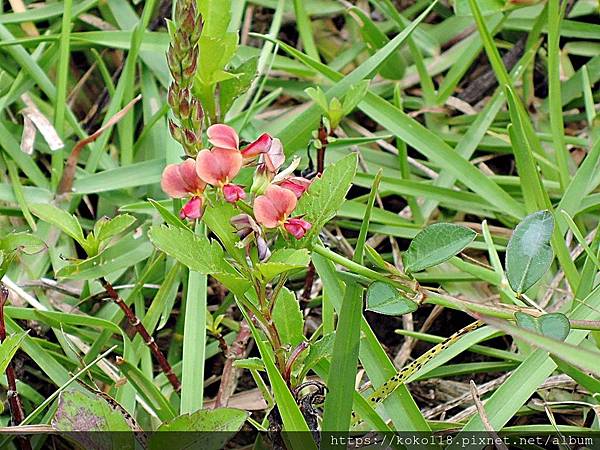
(135, 322)
(14, 401)
(358, 268)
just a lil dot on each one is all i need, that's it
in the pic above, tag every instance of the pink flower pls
(297, 227)
(218, 166)
(259, 146)
(298, 185)
(273, 208)
(181, 180)
(233, 193)
(192, 209)
(223, 136)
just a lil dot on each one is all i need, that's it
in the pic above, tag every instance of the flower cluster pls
(275, 193)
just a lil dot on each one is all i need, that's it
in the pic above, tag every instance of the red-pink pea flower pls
(233, 193)
(272, 210)
(297, 227)
(218, 167)
(223, 136)
(192, 209)
(260, 146)
(298, 185)
(180, 181)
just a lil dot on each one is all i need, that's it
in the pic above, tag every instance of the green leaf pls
(78, 411)
(318, 96)
(342, 373)
(208, 429)
(288, 318)
(394, 66)
(354, 96)
(22, 242)
(217, 219)
(234, 87)
(528, 254)
(124, 253)
(385, 299)
(167, 215)
(61, 219)
(461, 7)
(284, 260)
(327, 193)
(147, 390)
(198, 254)
(553, 325)
(9, 347)
(318, 351)
(107, 228)
(577, 355)
(436, 244)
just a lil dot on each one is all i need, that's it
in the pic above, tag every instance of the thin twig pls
(66, 182)
(14, 401)
(135, 322)
(230, 375)
(498, 443)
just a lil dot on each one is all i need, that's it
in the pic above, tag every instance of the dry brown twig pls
(66, 182)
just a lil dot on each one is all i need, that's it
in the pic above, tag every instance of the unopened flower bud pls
(233, 193)
(175, 131)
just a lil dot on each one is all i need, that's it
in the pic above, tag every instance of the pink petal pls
(187, 171)
(284, 200)
(172, 183)
(192, 209)
(275, 156)
(297, 227)
(223, 136)
(261, 145)
(233, 193)
(265, 212)
(297, 185)
(218, 166)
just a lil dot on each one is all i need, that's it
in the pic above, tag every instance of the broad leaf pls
(288, 318)
(198, 254)
(78, 411)
(284, 260)
(318, 351)
(554, 325)
(327, 193)
(61, 219)
(208, 429)
(529, 254)
(22, 242)
(125, 253)
(385, 299)
(107, 228)
(436, 244)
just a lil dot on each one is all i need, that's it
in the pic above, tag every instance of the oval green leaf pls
(385, 299)
(553, 325)
(435, 244)
(528, 254)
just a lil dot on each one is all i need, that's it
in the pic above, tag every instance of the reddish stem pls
(14, 401)
(141, 329)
